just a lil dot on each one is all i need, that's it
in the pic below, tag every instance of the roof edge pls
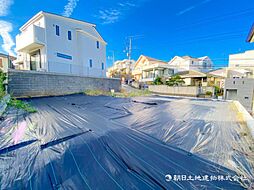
(251, 34)
(43, 13)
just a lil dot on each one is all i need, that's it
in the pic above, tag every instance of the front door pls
(35, 60)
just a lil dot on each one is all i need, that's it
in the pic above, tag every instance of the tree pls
(218, 91)
(158, 81)
(175, 80)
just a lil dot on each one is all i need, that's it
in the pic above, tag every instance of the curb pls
(3, 103)
(247, 117)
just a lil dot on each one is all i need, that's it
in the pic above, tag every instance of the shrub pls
(2, 88)
(208, 93)
(218, 91)
(158, 81)
(175, 80)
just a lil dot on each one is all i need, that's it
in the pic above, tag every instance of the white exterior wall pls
(240, 62)
(182, 64)
(81, 48)
(88, 50)
(245, 59)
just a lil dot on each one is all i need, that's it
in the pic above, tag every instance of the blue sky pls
(165, 28)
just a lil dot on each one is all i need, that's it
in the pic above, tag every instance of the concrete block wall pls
(179, 91)
(36, 84)
(244, 88)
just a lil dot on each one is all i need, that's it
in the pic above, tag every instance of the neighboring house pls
(193, 78)
(6, 61)
(53, 43)
(243, 63)
(250, 37)
(217, 77)
(185, 63)
(242, 90)
(121, 69)
(239, 84)
(146, 69)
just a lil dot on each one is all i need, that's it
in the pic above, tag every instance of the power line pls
(218, 18)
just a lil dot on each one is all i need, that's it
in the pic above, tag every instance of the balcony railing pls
(32, 38)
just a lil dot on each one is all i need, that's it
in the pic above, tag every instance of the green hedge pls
(2, 88)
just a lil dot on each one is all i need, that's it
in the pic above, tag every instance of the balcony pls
(31, 39)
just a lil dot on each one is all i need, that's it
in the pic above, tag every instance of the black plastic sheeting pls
(82, 142)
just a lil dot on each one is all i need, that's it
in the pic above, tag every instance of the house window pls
(91, 63)
(69, 35)
(98, 44)
(1, 63)
(102, 66)
(57, 30)
(246, 98)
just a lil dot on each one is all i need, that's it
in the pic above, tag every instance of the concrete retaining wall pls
(34, 84)
(247, 117)
(170, 90)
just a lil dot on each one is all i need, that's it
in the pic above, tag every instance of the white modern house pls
(53, 43)
(186, 63)
(242, 64)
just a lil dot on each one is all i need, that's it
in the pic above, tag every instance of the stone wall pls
(35, 84)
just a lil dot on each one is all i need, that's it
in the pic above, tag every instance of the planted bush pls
(175, 80)
(158, 81)
(208, 93)
(2, 87)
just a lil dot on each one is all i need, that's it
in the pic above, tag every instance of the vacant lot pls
(99, 142)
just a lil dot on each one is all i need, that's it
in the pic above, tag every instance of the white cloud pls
(192, 7)
(4, 7)
(127, 4)
(69, 8)
(8, 43)
(6, 27)
(112, 15)
(109, 16)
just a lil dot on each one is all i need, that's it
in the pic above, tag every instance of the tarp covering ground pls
(84, 142)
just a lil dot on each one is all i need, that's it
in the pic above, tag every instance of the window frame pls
(57, 30)
(69, 35)
(90, 63)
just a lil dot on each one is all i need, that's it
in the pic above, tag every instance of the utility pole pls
(112, 57)
(129, 46)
